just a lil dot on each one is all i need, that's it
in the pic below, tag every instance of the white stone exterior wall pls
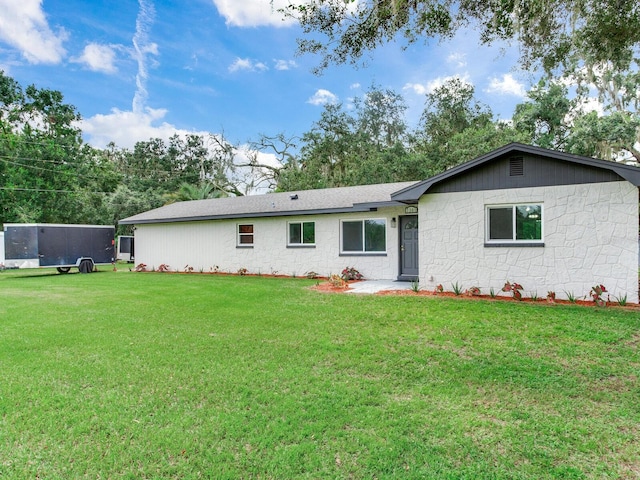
(590, 235)
(206, 245)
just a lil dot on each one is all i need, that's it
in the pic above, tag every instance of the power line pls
(36, 190)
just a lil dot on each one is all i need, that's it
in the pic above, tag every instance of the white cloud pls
(458, 59)
(591, 104)
(99, 58)
(354, 86)
(429, 87)
(507, 85)
(23, 25)
(125, 129)
(285, 64)
(322, 97)
(253, 13)
(247, 65)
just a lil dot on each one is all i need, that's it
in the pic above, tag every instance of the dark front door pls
(408, 247)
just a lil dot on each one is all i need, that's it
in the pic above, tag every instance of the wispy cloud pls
(458, 59)
(507, 85)
(285, 64)
(24, 26)
(142, 49)
(98, 58)
(322, 97)
(246, 64)
(253, 13)
(430, 86)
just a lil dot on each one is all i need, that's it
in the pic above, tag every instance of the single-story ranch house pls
(547, 220)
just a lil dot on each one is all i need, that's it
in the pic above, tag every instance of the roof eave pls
(360, 207)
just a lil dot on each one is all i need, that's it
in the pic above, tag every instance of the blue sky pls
(142, 69)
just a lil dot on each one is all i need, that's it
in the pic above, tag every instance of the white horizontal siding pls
(209, 245)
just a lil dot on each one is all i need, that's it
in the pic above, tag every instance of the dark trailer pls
(34, 245)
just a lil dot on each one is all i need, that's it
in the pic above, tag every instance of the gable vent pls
(516, 167)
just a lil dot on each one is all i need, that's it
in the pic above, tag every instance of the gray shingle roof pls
(328, 200)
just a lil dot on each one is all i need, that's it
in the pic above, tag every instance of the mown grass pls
(135, 375)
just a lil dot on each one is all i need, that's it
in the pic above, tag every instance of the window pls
(514, 223)
(245, 235)
(364, 236)
(302, 233)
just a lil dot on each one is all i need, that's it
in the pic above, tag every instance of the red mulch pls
(327, 287)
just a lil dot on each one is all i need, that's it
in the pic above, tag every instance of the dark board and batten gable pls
(521, 166)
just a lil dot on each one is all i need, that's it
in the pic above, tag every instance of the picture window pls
(364, 236)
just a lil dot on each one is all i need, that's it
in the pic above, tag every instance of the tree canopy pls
(47, 174)
(550, 33)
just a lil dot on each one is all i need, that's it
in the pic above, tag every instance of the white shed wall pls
(2, 248)
(590, 235)
(206, 245)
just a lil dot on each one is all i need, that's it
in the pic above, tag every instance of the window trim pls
(345, 253)
(302, 243)
(239, 235)
(503, 242)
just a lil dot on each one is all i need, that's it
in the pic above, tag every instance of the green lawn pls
(149, 375)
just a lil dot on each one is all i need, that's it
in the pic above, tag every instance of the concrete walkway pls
(374, 286)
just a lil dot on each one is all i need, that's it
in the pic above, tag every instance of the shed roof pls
(304, 202)
(412, 193)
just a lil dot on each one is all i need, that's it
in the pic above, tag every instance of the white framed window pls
(364, 236)
(245, 234)
(301, 233)
(514, 223)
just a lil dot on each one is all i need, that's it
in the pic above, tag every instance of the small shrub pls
(534, 296)
(415, 286)
(570, 296)
(551, 296)
(350, 273)
(215, 269)
(492, 293)
(337, 281)
(141, 267)
(473, 291)
(439, 288)
(311, 274)
(596, 294)
(457, 288)
(514, 288)
(163, 267)
(188, 269)
(242, 271)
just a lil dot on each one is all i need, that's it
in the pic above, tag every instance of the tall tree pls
(40, 155)
(455, 127)
(544, 116)
(380, 116)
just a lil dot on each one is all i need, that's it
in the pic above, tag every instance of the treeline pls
(47, 173)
